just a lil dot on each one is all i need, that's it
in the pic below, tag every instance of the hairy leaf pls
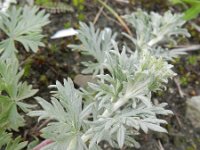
(23, 26)
(14, 92)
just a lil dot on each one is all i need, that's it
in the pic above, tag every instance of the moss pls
(43, 79)
(192, 147)
(179, 140)
(184, 81)
(27, 69)
(192, 60)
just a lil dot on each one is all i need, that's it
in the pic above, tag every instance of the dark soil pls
(56, 61)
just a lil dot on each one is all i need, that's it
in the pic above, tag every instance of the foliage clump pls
(116, 108)
(119, 105)
(23, 26)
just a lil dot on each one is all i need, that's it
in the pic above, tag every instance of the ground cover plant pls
(114, 108)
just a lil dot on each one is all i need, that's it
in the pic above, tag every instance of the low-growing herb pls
(118, 106)
(13, 92)
(23, 26)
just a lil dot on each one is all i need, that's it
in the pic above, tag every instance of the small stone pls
(82, 80)
(193, 111)
(193, 93)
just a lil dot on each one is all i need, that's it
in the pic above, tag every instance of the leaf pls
(144, 128)
(25, 91)
(121, 135)
(33, 143)
(8, 45)
(50, 111)
(16, 91)
(15, 119)
(86, 111)
(155, 127)
(95, 43)
(192, 12)
(7, 143)
(9, 115)
(153, 29)
(145, 100)
(176, 1)
(4, 6)
(66, 115)
(24, 26)
(4, 137)
(191, 2)
(16, 144)
(25, 107)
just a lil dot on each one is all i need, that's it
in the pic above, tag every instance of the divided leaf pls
(152, 30)
(23, 26)
(65, 112)
(7, 143)
(118, 106)
(12, 93)
(95, 43)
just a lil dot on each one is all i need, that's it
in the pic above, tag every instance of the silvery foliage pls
(95, 43)
(4, 5)
(118, 106)
(66, 111)
(154, 30)
(23, 26)
(7, 143)
(13, 93)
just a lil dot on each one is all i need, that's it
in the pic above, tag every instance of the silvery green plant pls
(23, 25)
(12, 105)
(154, 32)
(8, 143)
(5, 4)
(13, 93)
(95, 43)
(118, 106)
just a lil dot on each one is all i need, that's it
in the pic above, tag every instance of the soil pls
(56, 61)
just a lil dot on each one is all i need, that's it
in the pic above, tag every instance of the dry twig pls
(109, 18)
(98, 14)
(160, 146)
(186, 48)
(181, 93)
(112, 11)
(179, 121)
(194, 25)
(123, 1)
